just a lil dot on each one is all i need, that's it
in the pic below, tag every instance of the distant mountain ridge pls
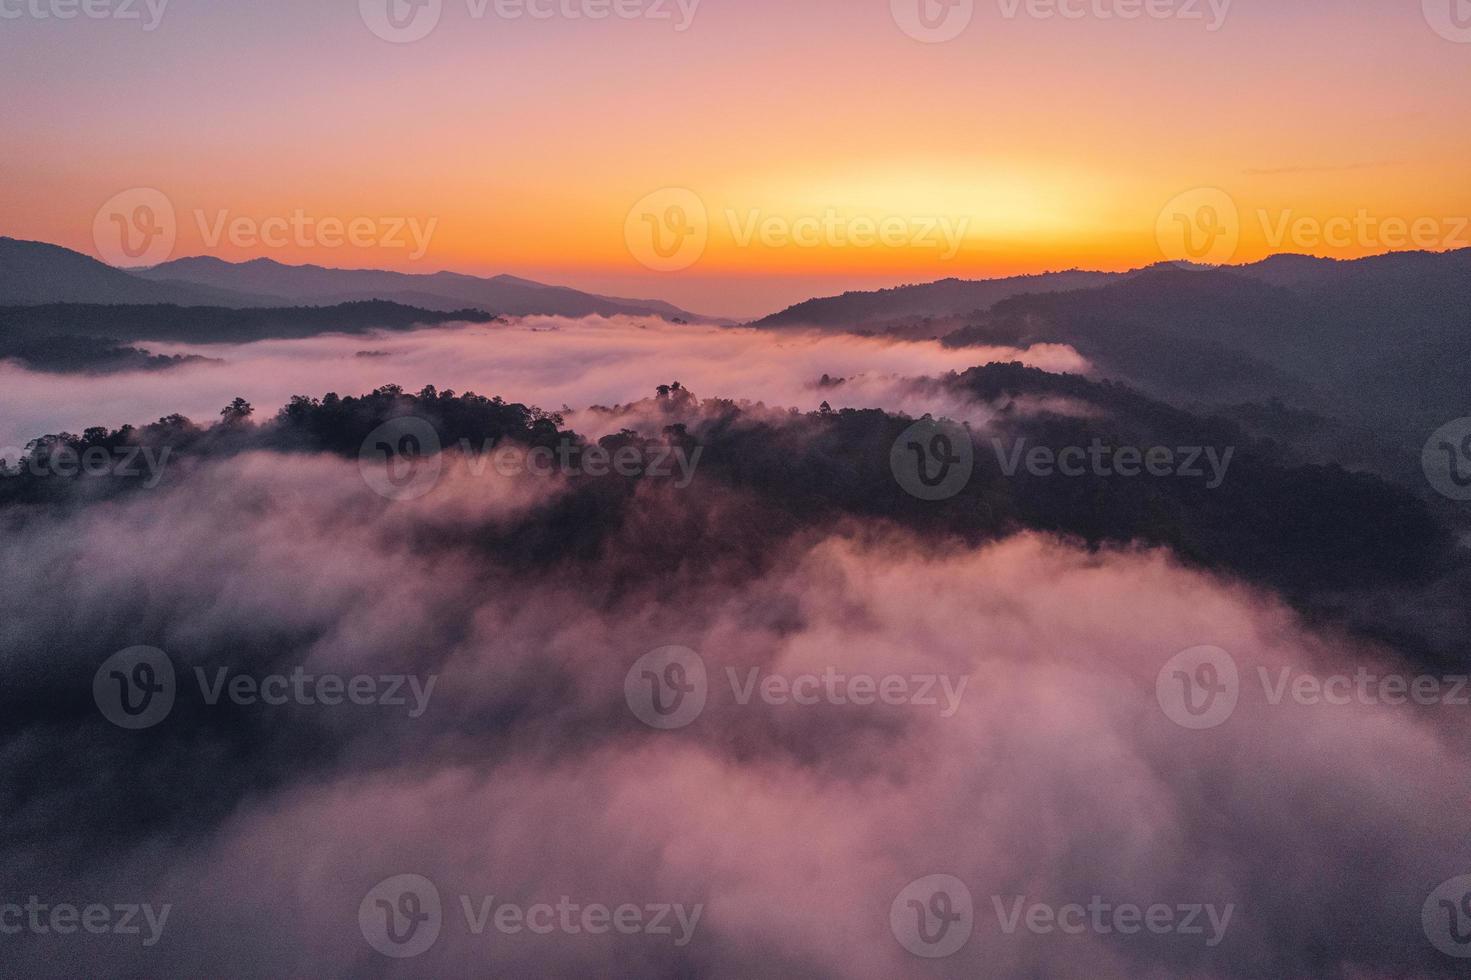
(1383, 343)
(944, 297)
(38, 273)
(71, 338)
(962, 297)
(317, 285)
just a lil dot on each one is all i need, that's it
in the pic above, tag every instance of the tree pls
(237, 412)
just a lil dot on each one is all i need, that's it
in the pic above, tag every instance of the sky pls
(735, 156)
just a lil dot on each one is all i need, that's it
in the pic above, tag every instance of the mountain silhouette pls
(316, 285)
(37, 273)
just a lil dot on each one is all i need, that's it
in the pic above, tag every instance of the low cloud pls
(544, 361)
(529, 779)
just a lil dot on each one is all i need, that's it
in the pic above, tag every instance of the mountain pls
(37, 273)
(948, 297)
(316, 285)
(209, 324)
(33, 273)
(97, 338)
(940, 303)
(1383, 343)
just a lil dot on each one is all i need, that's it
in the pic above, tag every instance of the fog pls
(793, 826)
(543, 361)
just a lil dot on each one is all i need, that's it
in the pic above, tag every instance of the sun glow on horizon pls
(1035, 144)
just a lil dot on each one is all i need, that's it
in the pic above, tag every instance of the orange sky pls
(1023, 144)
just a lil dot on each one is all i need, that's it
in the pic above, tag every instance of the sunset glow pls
(1055, 142)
